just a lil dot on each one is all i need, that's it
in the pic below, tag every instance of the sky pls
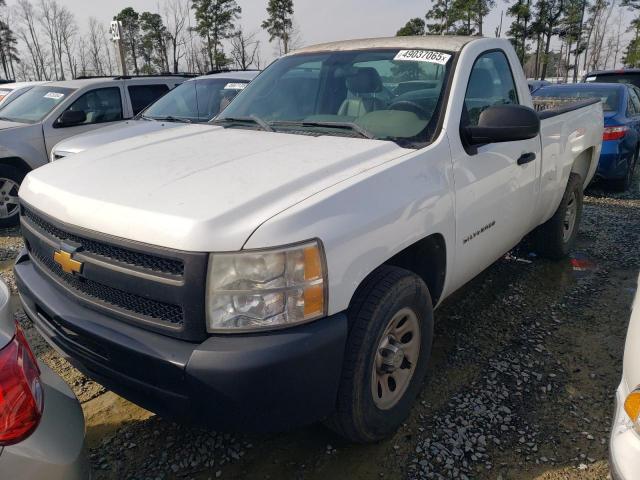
(317, 20)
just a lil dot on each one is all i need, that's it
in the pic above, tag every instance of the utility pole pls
(116, 37)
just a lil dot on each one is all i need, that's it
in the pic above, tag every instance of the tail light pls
(21, 393)
(614, 133)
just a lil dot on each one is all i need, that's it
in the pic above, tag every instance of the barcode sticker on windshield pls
(54, 95)
(235, 86)
(422, 56)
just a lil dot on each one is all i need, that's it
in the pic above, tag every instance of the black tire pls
(623, 184)
(386, 291)
(550, 237)
(16, 176)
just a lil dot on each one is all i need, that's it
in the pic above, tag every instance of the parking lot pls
(526, 362)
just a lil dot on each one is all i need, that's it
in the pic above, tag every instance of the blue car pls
(621, 138)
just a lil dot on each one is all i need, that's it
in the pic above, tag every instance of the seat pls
(362, 87)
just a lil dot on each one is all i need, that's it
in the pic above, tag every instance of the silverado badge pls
(68, 264)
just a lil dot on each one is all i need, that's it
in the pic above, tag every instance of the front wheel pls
(557, 236)
(389, 344)
(10, 180)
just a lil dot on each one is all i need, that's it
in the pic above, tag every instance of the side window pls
(144, 95)
(635, 100)
(631, 109)
(490, 83)
(99, 106)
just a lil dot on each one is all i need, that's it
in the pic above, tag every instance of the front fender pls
(369, 218)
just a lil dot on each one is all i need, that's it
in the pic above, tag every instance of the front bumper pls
(624, 444)
(254, 382)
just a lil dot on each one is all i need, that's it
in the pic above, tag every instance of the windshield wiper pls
(263, 124)
(168, 118)
(354, 127)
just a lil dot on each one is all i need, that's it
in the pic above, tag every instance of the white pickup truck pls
(282, 266)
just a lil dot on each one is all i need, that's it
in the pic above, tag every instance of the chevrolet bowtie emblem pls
(68, 264)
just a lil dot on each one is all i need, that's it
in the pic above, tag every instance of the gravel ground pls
(526, 361)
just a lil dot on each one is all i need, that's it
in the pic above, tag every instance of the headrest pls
(364, 80)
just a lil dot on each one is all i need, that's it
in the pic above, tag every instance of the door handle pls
(526, 158)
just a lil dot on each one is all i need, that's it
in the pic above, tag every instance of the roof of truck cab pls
(235, 75)
(449, 43)
(83, 82)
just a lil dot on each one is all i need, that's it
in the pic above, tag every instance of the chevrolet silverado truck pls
(282, 265)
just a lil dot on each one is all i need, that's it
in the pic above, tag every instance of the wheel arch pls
(16, 162)
(427, 258)
(583, 165)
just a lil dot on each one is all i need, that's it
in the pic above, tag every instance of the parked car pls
(536, 84)
(37, 120)
(621, 137)
(622, 75)
(41, 422)
(624, 445)
(195, 101)
(11, 91)
(283, 268)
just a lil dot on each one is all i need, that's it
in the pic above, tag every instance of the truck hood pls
(196, 187)
(112, 133)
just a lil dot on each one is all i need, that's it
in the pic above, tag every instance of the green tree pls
(415, 26)
(214, 23)
(131, 34)
(632, 53)
(520, 28)
(440, 18)
(154, 39)
(8, 48)
(279, 23)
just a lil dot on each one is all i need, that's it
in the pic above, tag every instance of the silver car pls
(624, 445)
(42, 428)
(195, 101)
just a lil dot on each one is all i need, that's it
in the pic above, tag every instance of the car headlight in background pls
(632, 407)
(266, 289)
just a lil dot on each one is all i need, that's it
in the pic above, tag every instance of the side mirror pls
(72, 117)
(503, 123)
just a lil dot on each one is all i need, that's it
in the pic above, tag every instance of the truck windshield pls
(196, 100)
(386, 94)
(34, 105)
(610, 97)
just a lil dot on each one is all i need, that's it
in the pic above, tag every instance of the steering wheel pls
(409, 106)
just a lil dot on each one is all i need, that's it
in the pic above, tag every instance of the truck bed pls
(548, 107)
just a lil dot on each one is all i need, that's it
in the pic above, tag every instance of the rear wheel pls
(557, 236)
(10, 180)
(389, 344)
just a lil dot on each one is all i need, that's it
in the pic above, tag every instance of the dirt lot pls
(526, 362)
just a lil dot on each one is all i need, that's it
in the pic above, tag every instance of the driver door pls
(496, 184)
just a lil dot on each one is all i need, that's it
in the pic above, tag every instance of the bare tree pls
(68, 30)
(48, 19)
(28, 33)
(96, 46)
(176, 15)
(83, 54)
(245, 49)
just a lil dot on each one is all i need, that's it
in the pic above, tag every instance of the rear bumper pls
(55, 450)
(613, 160)
(624, 444)
(259, 382)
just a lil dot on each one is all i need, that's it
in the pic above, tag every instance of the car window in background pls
(216, 95)
(610, 97)
(491, 83)
(144, 95)
(101, 105)
(196, 100)
(635, 100)
(34, 105)
(632, 78)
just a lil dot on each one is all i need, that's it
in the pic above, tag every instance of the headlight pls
(266, 289)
